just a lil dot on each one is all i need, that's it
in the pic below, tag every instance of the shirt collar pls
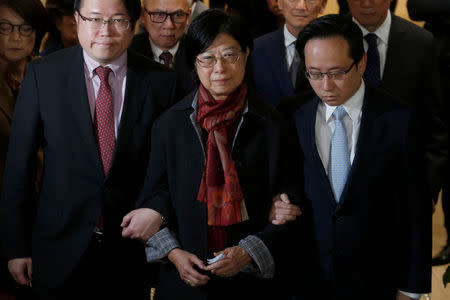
(118, 66)
(353, 105)
(288, 37)
(382, 32)
(157, 51)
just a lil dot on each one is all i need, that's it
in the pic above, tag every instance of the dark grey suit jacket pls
(411, 74)
(53, 111)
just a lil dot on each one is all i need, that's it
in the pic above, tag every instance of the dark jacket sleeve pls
(20, 170)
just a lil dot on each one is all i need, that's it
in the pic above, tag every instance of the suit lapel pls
(277, 59)
(366, 134)
(394, 51)
(79, 103)
(135, 96)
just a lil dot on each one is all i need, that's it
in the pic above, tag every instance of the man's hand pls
(141, 224)
(20, 269)
(185, 262)
(401, 296)
(235, 260)
(282, 210)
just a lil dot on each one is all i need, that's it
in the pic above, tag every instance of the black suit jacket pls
(265, 166)
(413, 76)
(377, 239)
(52, 110)
(186, 81)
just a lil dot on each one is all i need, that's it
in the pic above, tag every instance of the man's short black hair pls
(133, 8)
(329, 26)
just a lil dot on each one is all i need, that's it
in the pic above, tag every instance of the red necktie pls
(167, 58)
(104, 119)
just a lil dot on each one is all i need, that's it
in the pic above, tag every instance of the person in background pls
(412, 76)
(343, 6)
(63, 30)
(275, 61)
(91, 108)
(220, 156)
(22, 25)
(364, 174)
(197, 7)
(165, 22)
(436, 14)
(273, 7)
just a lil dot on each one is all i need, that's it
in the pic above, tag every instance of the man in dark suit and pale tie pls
(402, 59)
(274, 57)
(90, 108)
(364, 175)
(166, 22)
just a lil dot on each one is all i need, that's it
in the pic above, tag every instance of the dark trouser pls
(98, 276)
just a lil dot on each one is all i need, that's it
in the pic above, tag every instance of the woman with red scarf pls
(218, 158)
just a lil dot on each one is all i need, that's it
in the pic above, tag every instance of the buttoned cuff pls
(160, 244)
(260, 255)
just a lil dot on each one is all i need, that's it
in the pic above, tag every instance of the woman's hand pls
(185, 262)
(235, 260)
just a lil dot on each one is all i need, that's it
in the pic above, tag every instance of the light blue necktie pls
(339, 163)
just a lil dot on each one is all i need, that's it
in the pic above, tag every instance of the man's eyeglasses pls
(7, 28)
(98, 23)
(209, 61)
(338, 75)
(177, 17)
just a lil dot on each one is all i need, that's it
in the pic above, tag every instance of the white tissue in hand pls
(215, 259)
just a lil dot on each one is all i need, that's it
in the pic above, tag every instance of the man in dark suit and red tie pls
(364, 175)
(90, 108)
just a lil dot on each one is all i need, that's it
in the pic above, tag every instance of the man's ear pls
(362, 64)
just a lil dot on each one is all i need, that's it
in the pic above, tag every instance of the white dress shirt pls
(382, 33)
(289, 43)
(325, 125)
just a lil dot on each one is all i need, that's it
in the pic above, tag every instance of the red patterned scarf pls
(220, 188)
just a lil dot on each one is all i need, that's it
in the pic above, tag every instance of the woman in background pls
(22, 25)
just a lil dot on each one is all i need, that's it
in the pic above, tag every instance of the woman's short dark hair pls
(208, 25)
(32, 12)
(333, 25)
(133, 8)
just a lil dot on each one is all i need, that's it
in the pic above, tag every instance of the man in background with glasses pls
(90, 108)
(166, 22)
(364, 177)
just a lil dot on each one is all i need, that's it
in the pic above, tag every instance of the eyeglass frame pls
(238, 56)
(91, 21)
(331, 75)
(19, 28)
(171, 15)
